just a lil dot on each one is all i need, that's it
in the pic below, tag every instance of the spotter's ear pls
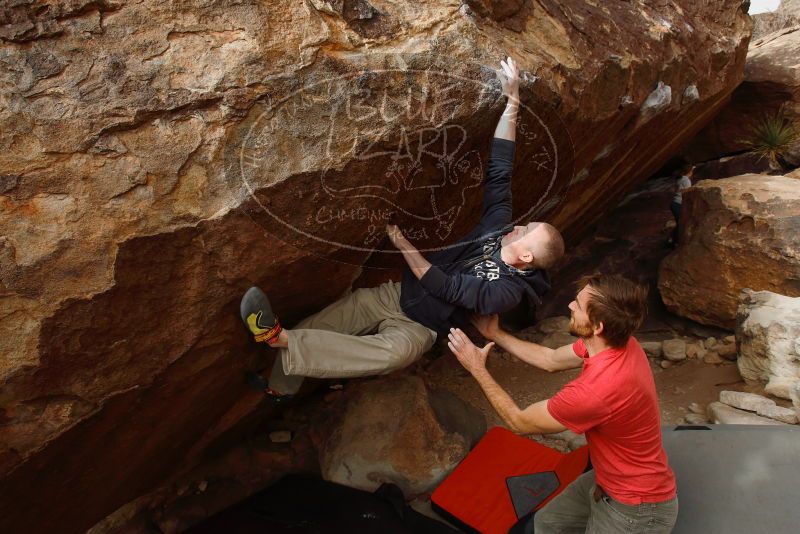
(599, 328)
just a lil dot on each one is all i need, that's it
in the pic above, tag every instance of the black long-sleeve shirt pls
(470, 277)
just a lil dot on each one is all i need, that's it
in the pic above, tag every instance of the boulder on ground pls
(697, 408)
(726, 350)
(695, 350)
(736, 233)
(397, 430)
(779, 413)
(745, 401)
(674, 350)
(769, 340)
(695, 419)
(651, 348)
(720, 413)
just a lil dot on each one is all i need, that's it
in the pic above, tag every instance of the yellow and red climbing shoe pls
(263, 333)
(257, 315)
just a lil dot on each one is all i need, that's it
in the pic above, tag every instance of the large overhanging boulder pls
(160, 157)
(735, 233)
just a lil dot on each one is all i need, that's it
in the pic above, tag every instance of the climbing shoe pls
(257, 315)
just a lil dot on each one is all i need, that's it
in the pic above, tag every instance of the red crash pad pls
(476, 492)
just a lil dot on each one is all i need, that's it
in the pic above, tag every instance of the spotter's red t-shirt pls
(614, 402)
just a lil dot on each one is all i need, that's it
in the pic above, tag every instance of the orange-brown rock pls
(157, 158)
(735, 233)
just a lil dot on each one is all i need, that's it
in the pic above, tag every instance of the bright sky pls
(761, 6)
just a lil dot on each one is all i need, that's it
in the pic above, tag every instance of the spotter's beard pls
(584, 331)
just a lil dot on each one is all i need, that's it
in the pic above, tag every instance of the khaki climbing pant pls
(364, 333)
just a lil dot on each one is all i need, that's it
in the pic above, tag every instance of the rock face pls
(787, 14)
(631, 240)
(160, 157)
(736, 233)
(768, 331)
(395, 430)
(772, 82)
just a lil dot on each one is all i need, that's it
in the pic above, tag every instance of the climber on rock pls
(374, 331)
(613, 401)
(683, 181)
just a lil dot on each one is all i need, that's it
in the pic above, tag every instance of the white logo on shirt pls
(487, 269)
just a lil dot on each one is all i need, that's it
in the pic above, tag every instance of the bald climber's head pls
(537, 245)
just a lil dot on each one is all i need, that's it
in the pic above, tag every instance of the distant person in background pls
(682, 181)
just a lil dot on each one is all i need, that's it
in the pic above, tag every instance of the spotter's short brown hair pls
(620, 304)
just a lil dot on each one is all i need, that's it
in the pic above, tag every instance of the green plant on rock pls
(773, 136)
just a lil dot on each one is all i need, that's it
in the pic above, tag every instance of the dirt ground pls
(683, 383)
(678, 386)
